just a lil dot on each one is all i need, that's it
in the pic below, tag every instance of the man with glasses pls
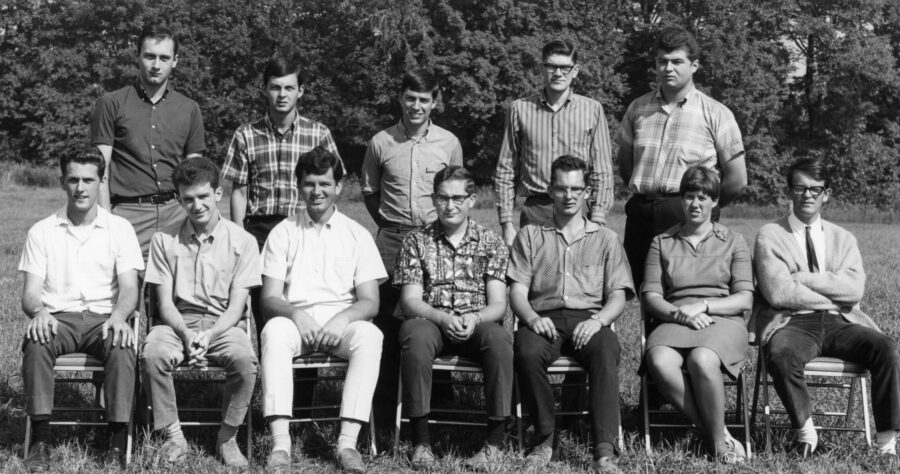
(452, 273)
(811, 276)
(398, 171)
(569, 281)
(539, 128)
(665, 132)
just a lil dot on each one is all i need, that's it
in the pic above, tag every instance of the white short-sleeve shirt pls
(321, 266)
(80, 265)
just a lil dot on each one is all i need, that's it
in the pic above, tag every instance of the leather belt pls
(160, 198)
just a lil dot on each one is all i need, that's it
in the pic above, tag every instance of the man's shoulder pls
(603, 234)
(44, 225)
(116, 223)
(643, 100)
(529, 100)
(308, 123)
(237, 233)
(837, 231)
(176, 96)
(118, 94)
(774, 231)
(355, 229)
(588, 101)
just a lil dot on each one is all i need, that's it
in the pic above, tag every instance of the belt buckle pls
(158, 199)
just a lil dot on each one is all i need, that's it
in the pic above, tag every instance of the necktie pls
(811, 259)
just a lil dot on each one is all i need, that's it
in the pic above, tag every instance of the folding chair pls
(830, 367)
(210, 373)
(318, 360)
(740, 414)
(75, 362)
(562, 366)
(451, 363)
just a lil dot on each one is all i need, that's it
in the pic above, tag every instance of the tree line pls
(803, 77)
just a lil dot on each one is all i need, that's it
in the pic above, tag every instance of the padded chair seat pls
(78, 359)
(565, 364)
(319, 359)
(456, 362)
(834, 365)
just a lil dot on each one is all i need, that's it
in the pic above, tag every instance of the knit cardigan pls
(786, 284)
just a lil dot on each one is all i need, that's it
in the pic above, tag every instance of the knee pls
(888, 352)
(783, 358)
(703, 362)
(527, 353)
(414, 337)
(277, 330)
(153, 356)
(367, 337)
(660, 359)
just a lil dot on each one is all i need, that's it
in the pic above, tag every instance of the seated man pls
(202, 270)
(811, 275)
(321, 272)
(569, 283)
(453, 296)
(81, 269)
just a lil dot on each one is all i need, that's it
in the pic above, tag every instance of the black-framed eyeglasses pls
(458, 199)
(565, 190)
(814, 191)
(565, 69)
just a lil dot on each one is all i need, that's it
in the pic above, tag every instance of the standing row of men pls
(447, 274)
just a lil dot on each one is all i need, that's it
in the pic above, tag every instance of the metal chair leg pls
(645, 408)
(399, 415)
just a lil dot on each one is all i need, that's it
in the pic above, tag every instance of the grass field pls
(675, 451)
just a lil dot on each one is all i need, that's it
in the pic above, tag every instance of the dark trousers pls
(421, 340)
(599, 357)
(79, 332)
(821, 334)
(645, 219)
(260, 227)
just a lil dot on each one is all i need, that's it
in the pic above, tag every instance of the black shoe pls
(38, 459)
(116, 456)
(805, 451)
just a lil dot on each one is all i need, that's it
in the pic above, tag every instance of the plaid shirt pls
(536, 135)
(264, 160)
(665, 142)
(454, 280)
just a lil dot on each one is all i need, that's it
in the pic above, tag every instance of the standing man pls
(665, 132)
(453, 278)
(321, 273)
(811, 276)
(143, 131)
(81, 287)
(554, 122)
(569, 281)
(261, 159)
(398, 172)
(202, 270)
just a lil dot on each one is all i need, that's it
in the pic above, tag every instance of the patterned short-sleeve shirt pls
(454, 279)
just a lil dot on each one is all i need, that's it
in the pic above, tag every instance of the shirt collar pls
(101, 220)
(189, 233)
(306, 221)
(470, 234)
(717, 230)
(798, 226)
(271, 126)
(589, 226)
(401, 130)
(688, 97)
(142, 93)
(543, 98)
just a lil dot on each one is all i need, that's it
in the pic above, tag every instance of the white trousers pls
(360, 345)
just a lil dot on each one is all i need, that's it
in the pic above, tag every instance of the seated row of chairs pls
(739, 416)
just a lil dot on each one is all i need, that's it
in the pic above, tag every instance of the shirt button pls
(568, 274)
(158, 183)
(153, 126)
(154, 165)
(152, 147)
(565, 297)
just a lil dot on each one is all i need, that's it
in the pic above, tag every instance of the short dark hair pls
(567, 163)
(700, 179)
(193, 171)
(158, 33)
(318, 161)
(280, 66)
(560, 47)
(813, 167)
(421, 80)
(673, 37)
(84, 155)
(454, 172)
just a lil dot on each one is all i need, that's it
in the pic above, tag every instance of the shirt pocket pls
(590, 279)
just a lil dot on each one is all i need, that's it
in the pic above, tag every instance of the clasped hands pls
(581, 334)
(692, 315)
(459, 328)
(321, 338)
(196, 345)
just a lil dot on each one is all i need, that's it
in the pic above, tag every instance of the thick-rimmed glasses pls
(814, 191)
(458, 199)
(564, 69)
(566, 190)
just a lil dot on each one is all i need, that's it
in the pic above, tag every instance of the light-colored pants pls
(360, 345)
(164, 350)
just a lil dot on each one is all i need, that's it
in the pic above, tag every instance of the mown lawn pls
(675, 451)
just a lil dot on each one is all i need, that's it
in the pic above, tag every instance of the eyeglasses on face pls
(565, 190)
(814, 191)
(565, 69)
(458, 199)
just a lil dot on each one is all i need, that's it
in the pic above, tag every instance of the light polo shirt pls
(80, 265)
(664, 142)
(321, 267)
(798, 230)
(577, 275)
(203, 272)
(402, 168)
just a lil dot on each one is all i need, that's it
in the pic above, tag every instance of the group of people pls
(432, 281)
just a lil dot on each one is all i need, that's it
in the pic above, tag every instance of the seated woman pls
(698, 282)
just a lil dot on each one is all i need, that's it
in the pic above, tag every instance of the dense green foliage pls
(802, 76)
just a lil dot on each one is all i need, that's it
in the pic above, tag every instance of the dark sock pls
(118, 435)
(496, 432)
(604, 450)
(545, 440)
(421, 434)
(40, 428)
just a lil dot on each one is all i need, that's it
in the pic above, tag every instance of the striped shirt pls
(665, 142)
(263, 159)
(536, 135)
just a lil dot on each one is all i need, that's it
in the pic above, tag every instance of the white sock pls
(281, 434)
(807, 434)
(886, 442)
(349, 434)
(174, 433)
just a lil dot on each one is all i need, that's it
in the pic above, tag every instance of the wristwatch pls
(706, 303)
(596, 317)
